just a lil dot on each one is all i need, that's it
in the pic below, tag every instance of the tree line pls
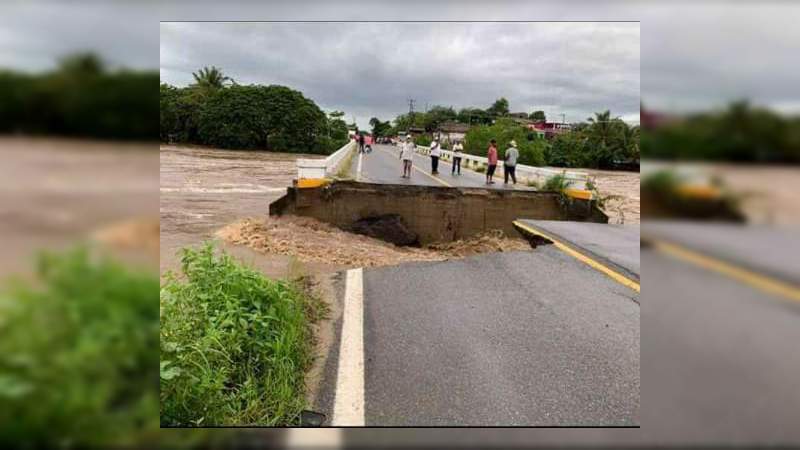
(740, 133)
(599, 142)
(80, 97)
(216, 111)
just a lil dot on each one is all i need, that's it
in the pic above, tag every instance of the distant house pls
(452, 131)
(550, 129)
(415, 131)
(652, 120)
(518, 115)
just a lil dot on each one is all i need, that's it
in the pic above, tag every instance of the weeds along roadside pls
(235, 345)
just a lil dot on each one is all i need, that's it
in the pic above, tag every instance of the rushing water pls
(204, 189)
(55, 192)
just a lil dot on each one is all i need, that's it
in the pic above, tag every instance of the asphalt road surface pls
(383, 165)
(612, 244)
(719, 360)
(520, 338)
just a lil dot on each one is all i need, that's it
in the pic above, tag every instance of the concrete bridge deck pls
(383, 165)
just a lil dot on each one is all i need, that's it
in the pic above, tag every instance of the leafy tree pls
(499, 107)
(531, 152)
(380, 128)
(538, 116)
(436, 116)
(337, 128)
(274, 118)
(474, 116)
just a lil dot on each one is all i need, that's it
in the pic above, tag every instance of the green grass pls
(77, 355)
(556, 183)
(235, 345)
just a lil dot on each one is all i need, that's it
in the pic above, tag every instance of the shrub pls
(423, 140)
(77, 361)
(234, 345)
(556, 183)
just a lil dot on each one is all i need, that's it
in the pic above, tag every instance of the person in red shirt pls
(492, 157)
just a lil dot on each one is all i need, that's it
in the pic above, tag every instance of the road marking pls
(755, 280)
(616, 276)
(431, 176)
(348, 407)
(314, 438)
(424, 173)
(358, 169)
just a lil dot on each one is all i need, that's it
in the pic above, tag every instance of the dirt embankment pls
(312, 241)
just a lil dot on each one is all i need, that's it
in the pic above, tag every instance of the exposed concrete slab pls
(616, 245)
(435, 214)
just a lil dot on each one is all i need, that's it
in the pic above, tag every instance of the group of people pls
(511, 156)
(364, 143)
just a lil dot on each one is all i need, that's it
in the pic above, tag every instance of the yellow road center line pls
(616, 276)
(755, 280)
(424, 173)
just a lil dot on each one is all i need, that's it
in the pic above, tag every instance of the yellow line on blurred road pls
(616, 276)
(423, 172)
(756, 280)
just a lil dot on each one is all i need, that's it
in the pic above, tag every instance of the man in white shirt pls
(436, 152)
(457, 148)
(407, 156)
(510, 164)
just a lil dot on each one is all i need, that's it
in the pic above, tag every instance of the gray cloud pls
(371, 69)
(694, 54)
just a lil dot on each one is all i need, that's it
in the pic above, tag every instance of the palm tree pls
(211, 78)
(601, 127)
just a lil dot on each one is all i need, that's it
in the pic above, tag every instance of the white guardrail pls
(322, 168)
(540, 174)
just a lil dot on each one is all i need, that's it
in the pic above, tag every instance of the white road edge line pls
(348, 405)
(358, 169)
(304, 438)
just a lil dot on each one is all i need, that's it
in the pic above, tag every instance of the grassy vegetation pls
(235, 345)
(556, 183)
(77, 355)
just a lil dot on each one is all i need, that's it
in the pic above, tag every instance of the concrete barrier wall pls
(435, 214)
(321, 168)
(532, 173)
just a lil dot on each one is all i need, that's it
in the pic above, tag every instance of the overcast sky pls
(695, 55)
(372, 69)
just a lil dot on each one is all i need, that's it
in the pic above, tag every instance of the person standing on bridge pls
(407, 156)
(491, 155)
(510, 164)
(360, 143)
(436, 152)
(457, 147)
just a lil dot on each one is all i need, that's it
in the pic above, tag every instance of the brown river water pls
(204, 189)
(56, 192)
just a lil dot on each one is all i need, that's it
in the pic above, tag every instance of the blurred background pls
(80, 173)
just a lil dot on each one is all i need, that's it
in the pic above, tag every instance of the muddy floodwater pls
(204, 189)
(56, 192)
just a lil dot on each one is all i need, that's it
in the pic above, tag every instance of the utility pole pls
(411, 102)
